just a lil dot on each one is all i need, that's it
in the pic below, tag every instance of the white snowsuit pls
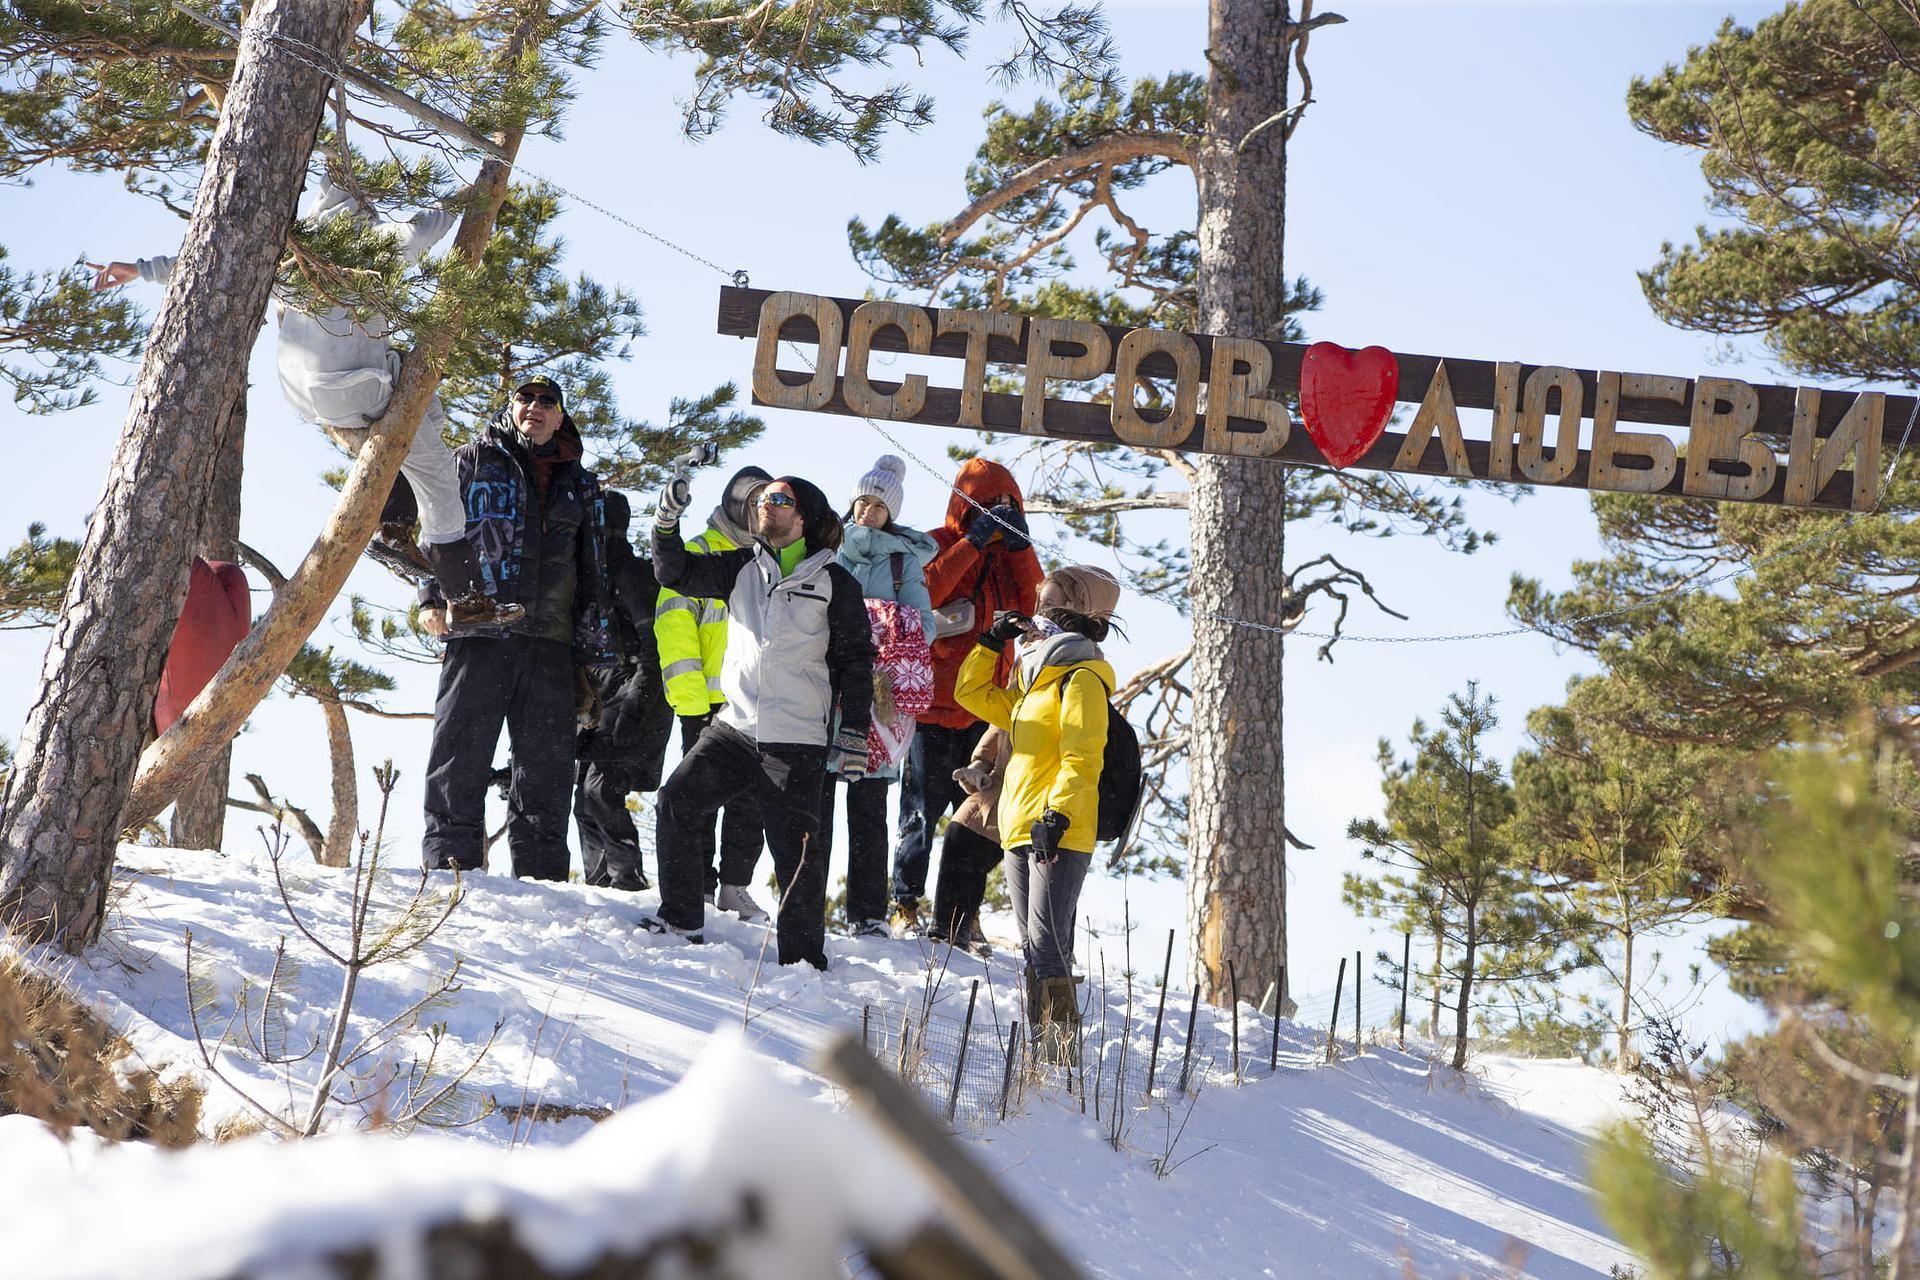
(340, 373)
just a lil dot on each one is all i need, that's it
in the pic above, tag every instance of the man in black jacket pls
(533, 517)
(798, 640)
(624, 747)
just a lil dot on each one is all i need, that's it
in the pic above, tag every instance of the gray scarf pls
(1062, 650)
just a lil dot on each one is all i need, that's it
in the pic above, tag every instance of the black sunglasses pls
(777, 500)
(545, 399)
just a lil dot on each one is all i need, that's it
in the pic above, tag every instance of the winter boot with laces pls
(395, 548)
(468, 604)
(735, 898)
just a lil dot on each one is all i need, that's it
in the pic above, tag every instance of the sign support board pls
(1719, 438)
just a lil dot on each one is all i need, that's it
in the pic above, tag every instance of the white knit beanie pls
(887, 482)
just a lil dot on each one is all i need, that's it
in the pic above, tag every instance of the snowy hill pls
(1311, 1170)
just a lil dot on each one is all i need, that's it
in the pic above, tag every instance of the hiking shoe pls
(905, 920)
(976, 941)
(871, 929)
(654, 924)
(735, 898)
(395, 549)
(478, 609)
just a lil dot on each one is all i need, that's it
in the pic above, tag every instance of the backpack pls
(1121, 780)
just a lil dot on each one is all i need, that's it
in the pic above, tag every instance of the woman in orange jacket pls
(985, 565)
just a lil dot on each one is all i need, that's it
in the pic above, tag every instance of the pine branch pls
(1115, 148)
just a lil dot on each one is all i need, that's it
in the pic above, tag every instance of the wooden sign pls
(1725, 439)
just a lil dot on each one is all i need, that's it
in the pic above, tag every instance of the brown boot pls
(396, 549)
(1060, 1032)
(468, 604)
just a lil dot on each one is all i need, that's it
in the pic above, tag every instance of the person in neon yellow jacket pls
(1056, 716)
(692, 635)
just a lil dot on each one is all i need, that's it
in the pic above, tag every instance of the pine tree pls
(1446, 846)
(1803, 130)
(1077, 161)
(1836, 833)
(65, 799)
(1617, 834)
(479, 80)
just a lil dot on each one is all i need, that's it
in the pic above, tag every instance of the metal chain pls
(332, 68)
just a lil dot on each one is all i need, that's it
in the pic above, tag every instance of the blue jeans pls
(927, 791)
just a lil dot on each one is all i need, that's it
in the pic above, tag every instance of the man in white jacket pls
(339, 372)
(798, 642)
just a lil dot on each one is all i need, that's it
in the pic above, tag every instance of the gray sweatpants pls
(429, 469)
(1046, 897)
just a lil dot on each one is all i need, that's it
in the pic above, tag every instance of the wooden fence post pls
(960, 1059)
(1279, 999)
(1233, 994)
(1186, 1054)
(1006, 1074)
(1166, 975)
(1333, 1019)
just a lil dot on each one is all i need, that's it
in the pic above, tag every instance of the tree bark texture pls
(66, 800)
(213, 717)
(343, 824)
(1466, 991)
(1236, 849)
(200, 814)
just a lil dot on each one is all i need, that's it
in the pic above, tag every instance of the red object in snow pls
(1346, 398)
(215, 619)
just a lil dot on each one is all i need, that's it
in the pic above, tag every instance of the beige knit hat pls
(1085, 589)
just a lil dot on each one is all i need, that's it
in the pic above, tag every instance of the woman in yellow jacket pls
(1056, 716)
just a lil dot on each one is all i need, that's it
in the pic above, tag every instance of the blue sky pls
(1467, 183)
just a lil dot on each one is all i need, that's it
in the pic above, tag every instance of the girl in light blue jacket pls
(889, 561)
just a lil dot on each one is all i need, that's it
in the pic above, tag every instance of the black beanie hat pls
(738, 502)
(819, 523)
(617, 511)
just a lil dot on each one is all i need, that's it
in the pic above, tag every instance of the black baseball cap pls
(543, 381)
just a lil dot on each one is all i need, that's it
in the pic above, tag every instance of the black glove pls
(1046, 835)
(1008, 624)
(1012, 515)
(981, 531)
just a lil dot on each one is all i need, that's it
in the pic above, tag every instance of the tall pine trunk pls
(1624, 1028)
(1236, 851)
(344, 822)
(200, 815)
(1466, 990)
(78, 752)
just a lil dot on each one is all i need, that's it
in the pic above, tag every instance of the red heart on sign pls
(1346, 398)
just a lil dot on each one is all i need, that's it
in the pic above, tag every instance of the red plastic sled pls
(217, 616)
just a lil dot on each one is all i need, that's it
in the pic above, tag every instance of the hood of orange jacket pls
(994, 579)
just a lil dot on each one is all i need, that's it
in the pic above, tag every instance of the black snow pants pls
(866, 844)
(526, 684)
(784, 782)
(740, 835)
(967, 858)
(609, 842)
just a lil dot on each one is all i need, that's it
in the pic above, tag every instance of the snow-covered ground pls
(1314, 1170)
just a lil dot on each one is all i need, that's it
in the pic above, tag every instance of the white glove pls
(675, 498)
